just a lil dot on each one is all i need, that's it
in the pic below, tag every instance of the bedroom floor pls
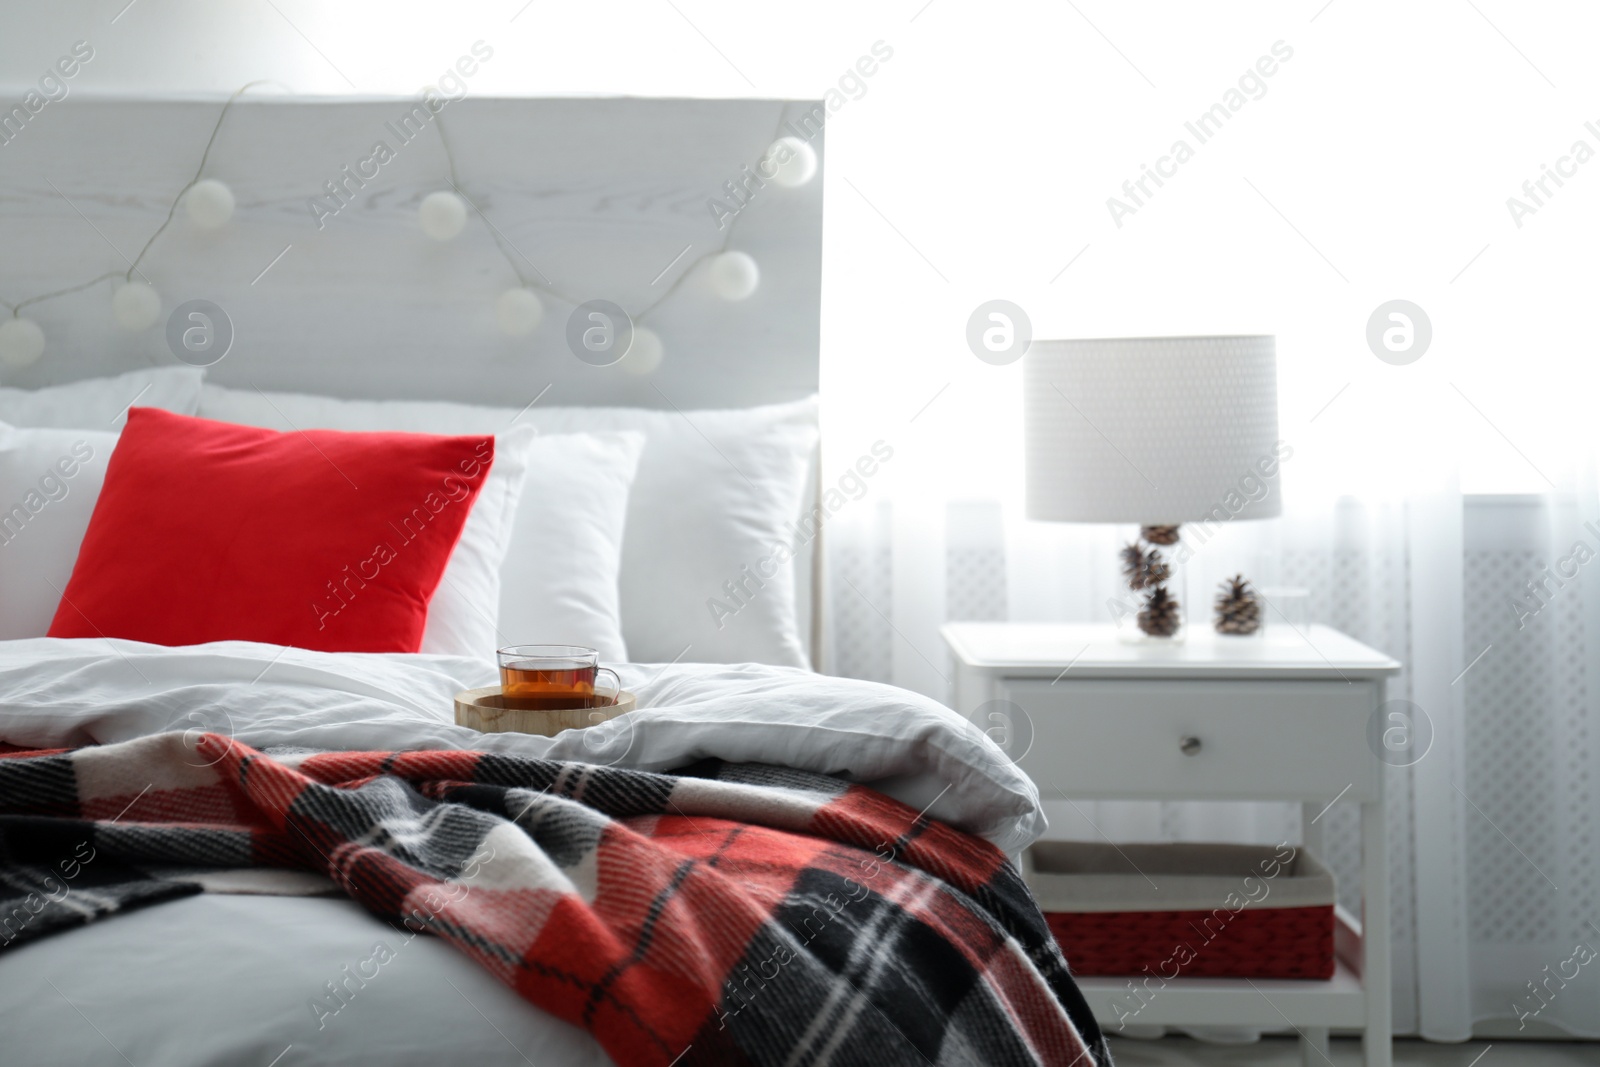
(1281, 1052)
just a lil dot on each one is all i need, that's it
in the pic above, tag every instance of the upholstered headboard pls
(604, 198)
(332, 287)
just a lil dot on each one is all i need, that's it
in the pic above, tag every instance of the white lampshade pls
(1152, 430)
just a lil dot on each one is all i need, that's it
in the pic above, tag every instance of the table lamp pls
(1157, 432)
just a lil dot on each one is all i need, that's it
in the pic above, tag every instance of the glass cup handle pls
(616, 692)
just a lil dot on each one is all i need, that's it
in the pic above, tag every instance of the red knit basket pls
(1251, 943)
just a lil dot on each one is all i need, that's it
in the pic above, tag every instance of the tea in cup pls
(554, 677)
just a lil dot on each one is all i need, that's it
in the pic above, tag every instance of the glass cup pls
(554, 677)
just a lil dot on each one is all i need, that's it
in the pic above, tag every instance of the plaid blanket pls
(725, 914)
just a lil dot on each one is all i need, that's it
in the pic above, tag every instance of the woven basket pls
(1195, 910)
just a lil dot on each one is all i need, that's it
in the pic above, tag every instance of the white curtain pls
(1530, 784)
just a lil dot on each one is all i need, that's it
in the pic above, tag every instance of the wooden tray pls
(484, 710)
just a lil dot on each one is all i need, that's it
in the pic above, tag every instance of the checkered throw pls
(724, 914)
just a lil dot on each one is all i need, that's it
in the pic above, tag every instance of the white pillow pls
(461, 615)
(717, 500)
(102, 403)
(558, 584)
(540, 548)
(49, 482)
(716, 492)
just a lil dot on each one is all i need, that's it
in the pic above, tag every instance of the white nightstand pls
(1209, 718)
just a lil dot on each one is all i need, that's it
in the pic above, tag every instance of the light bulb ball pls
(136, 306)
(442, 215)
(644, 354)
(518, 311)
(795, 161)
(210, 203)
(733, 275)
(21, 342)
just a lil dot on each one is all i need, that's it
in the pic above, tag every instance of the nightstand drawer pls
(1196, 739)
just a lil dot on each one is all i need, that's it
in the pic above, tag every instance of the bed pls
(216, 825)
(232, 977)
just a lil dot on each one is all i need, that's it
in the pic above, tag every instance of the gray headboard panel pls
(596, 198)
(604, 198)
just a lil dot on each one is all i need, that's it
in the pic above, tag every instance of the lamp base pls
(1153, 609)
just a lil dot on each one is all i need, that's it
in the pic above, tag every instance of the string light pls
(139, 308)
(795, 161)
(644, 354)
(136, 306)
(21, 342)
(210, 204)
(733, 275)
(518, 311)
(442, 215)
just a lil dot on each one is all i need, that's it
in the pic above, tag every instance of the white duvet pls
(226, 979)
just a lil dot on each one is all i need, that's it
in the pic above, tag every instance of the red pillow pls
(207, 531)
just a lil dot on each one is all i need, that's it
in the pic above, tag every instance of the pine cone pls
(1143, 569)
(1160, 616)
(1160, 535)
(1238, 607)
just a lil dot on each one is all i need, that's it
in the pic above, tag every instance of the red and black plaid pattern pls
(724, 914)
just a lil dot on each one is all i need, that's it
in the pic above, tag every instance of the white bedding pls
(227, 979)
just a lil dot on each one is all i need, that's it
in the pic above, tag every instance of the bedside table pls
(1209, 718)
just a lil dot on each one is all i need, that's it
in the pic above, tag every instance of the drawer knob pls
(1189, 746)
